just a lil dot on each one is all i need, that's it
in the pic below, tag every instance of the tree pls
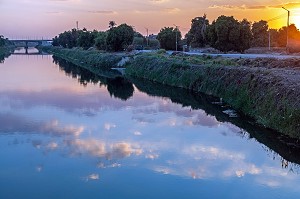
(245, 36)
(260, 34)
(167, 38)
(86, 39)
(55, 41)
(100, 41)
(67, 39)
(137, 34)
(119, 38)
(274, 34)
(196, 37)
(293, 32)
(111, 24)
(226, 34)
(2, 40)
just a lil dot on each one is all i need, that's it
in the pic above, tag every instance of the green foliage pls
(100, 40)
(137, 34)
(260, 34)
(67, 39)
(2, 40)
(167, 38)
(154, 44)
(119, 38)
(196, 37)
(228, 34)
(139, 41)
(86, 39)
(92, 60)
(246, 89)
(161, 51)
(245, 36)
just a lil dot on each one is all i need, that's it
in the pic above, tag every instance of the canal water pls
(67, 133)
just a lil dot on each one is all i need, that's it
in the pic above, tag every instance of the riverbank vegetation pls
(264, 89)
(95, 61)
(269, 95)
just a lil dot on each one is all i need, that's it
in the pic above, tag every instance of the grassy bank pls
(95, 61)
(269, 95)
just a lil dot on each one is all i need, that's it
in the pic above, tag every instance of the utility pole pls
(147, 36)
(287, 28)
(77, 25)
(176, 36)
(269, 39)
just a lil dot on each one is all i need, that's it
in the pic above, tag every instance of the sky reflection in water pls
(62, 139)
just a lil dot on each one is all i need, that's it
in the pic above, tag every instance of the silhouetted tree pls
(2, 40)
(245, 36)
(119, 38)
(226, 34)
(260, 34)
(167, 38)
(196, 37)
(112, 24)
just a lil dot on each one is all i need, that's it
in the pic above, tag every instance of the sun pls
(296, 21)
(295, 17)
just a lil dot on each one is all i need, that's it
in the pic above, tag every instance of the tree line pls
(116, 38)
(224, 34)
(228, 34)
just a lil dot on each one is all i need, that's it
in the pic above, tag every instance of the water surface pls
(67, 133)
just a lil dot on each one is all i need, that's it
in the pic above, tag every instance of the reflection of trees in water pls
(118, 87)
(288, 149)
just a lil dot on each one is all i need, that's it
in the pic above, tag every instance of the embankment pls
(258, 88)
(92, 60)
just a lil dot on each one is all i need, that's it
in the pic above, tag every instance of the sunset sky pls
(46, 18)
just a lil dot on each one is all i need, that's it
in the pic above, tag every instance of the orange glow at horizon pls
(35, 18)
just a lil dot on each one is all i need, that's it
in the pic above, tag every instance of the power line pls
(277, 17)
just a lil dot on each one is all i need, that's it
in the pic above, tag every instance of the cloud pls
(54, 12)
(92, 147)
(171, 10)
(10, 123)
(98, 148)
(93, 176)
(108, 126)
(102, 12)
(152, 156)
(52, 146)
(159, 1)
(137, 133)
(255, 7)
(121, 150)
